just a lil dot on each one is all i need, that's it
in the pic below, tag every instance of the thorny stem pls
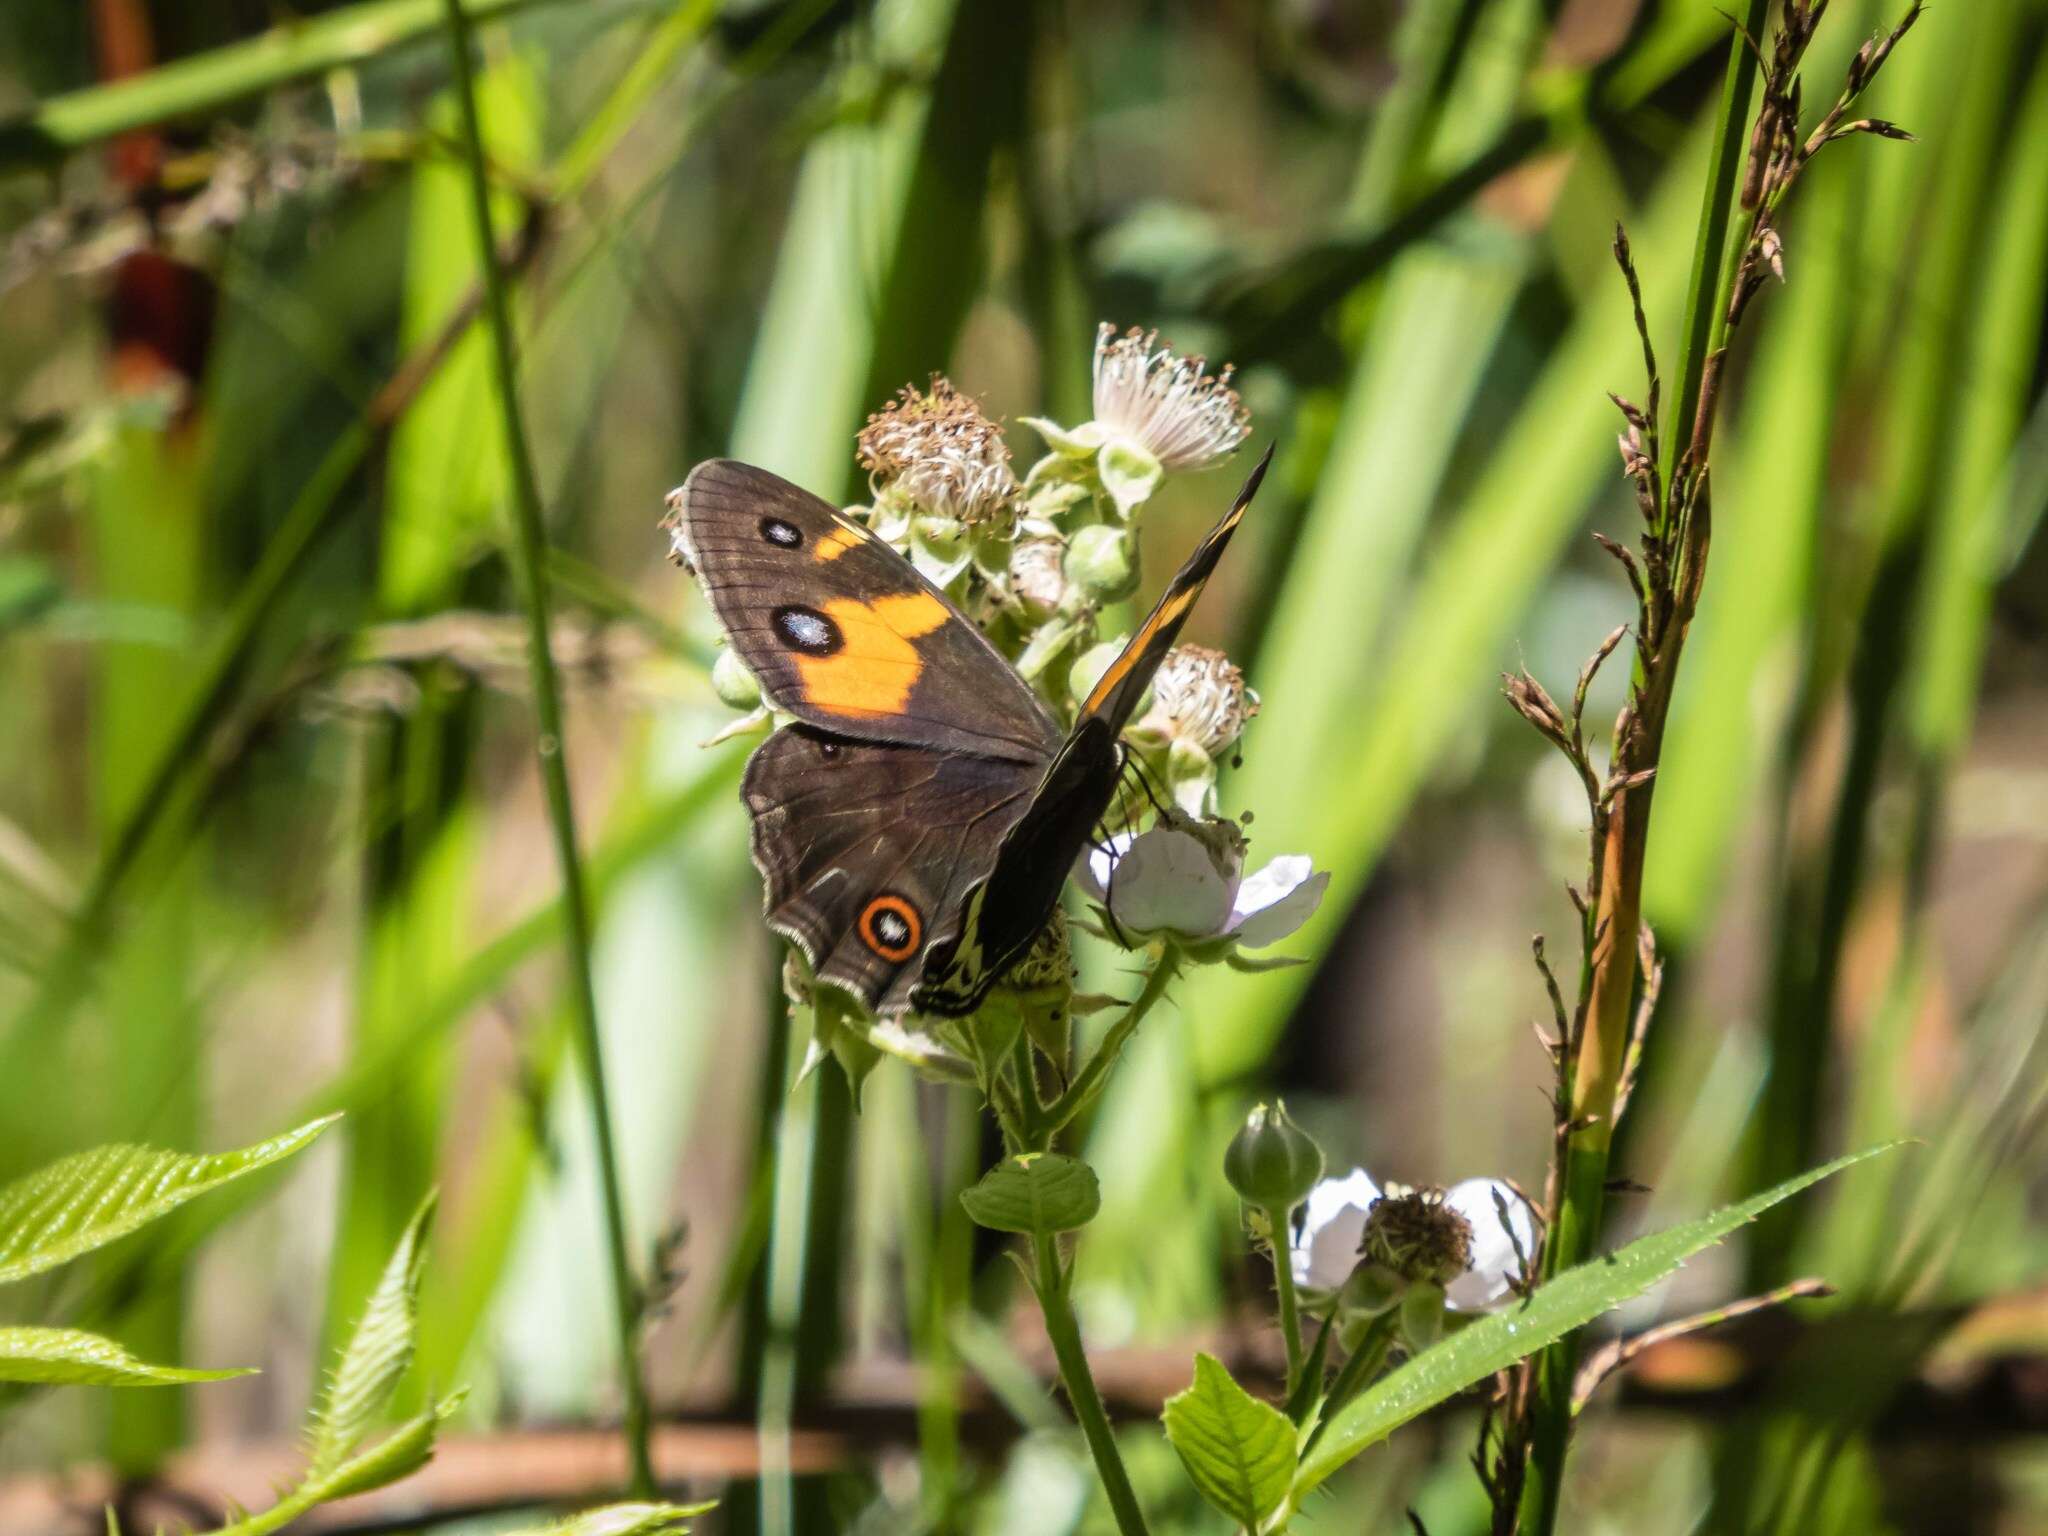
(529, 547)
(1603, 1042)
(1089, 1079)
(1060, 1326)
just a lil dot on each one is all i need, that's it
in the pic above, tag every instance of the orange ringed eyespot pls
(890, 926)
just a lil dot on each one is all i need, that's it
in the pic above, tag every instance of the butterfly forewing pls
(840, 629)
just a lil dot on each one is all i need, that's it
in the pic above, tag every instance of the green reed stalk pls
(1608, 977)
(529, 552)
(206, 82)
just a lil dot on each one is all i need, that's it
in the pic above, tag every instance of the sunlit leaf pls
(85, 1201)
(72, 1357)
(377, 1353)
(1238, 1450)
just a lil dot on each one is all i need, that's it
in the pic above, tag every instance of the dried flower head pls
(1184, 417)
(938, 449)
(1199, 697)
(1418, 1236)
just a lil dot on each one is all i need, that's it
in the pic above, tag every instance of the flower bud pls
(1103, 562)
(1190, 775)
(1089, 666)
(1422, 1317)
(1037, 578)
(1271, 1162)
(1371, 1290)
(733, 682)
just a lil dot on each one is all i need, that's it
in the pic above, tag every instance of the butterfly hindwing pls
(842, 631)
(868, 849)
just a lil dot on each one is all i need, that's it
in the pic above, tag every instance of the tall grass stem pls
(529, 552)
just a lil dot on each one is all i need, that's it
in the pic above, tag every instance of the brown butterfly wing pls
(1004, 913)
(841, 630)
(867, 849)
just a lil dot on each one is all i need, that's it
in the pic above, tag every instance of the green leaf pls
(70, 1357)
(85, 1201)
(1570, 1301)
(624, 1520)
(1036, 1193)
(1238, 1450)
(377, 1354)
(400, 1454)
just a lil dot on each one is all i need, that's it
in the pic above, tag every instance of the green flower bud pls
(1271, 1162)
(942, 535)
(1422, 1317)
(732, 682)
(1103, 562)
(1130, 473)
(1371, 1290)
(1089, 666)
(1190, 775)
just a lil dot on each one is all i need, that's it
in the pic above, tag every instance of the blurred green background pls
(271, 841)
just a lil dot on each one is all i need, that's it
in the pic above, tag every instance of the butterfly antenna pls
(1136, 764)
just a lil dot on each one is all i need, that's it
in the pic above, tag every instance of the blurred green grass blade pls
(208, 82)
(1376, 745)
(150, 525)
(59, 1357)
(90, 1199)
(1969, 545)
(447, 466)
(1920, 370)
(447, 477)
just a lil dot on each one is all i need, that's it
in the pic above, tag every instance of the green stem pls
(1356, 1371)
(208, 82)
(1703, 297)
(529, 550)
(1277, 1221)
(1088, 1081)
(1065, 1333)
(1575, 1233)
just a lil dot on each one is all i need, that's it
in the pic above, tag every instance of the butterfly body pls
(914, 825)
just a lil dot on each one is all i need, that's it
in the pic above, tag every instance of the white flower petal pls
(1093, 869)
(1324, 1249)
(1276, 900)
(1494, 1264)
(1169, 883)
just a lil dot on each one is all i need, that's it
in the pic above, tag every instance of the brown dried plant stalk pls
(1598, 1040)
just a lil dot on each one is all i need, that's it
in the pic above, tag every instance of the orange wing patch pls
(1169, 611)
(870, 676)
(837, 543)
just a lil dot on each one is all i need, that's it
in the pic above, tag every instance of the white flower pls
(1155, 412)
(1184, 880)
(1495, 1267)
(1324, 1249)
(1171, 406)
(1454, 1237)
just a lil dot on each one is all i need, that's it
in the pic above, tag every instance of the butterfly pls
(915, 823)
